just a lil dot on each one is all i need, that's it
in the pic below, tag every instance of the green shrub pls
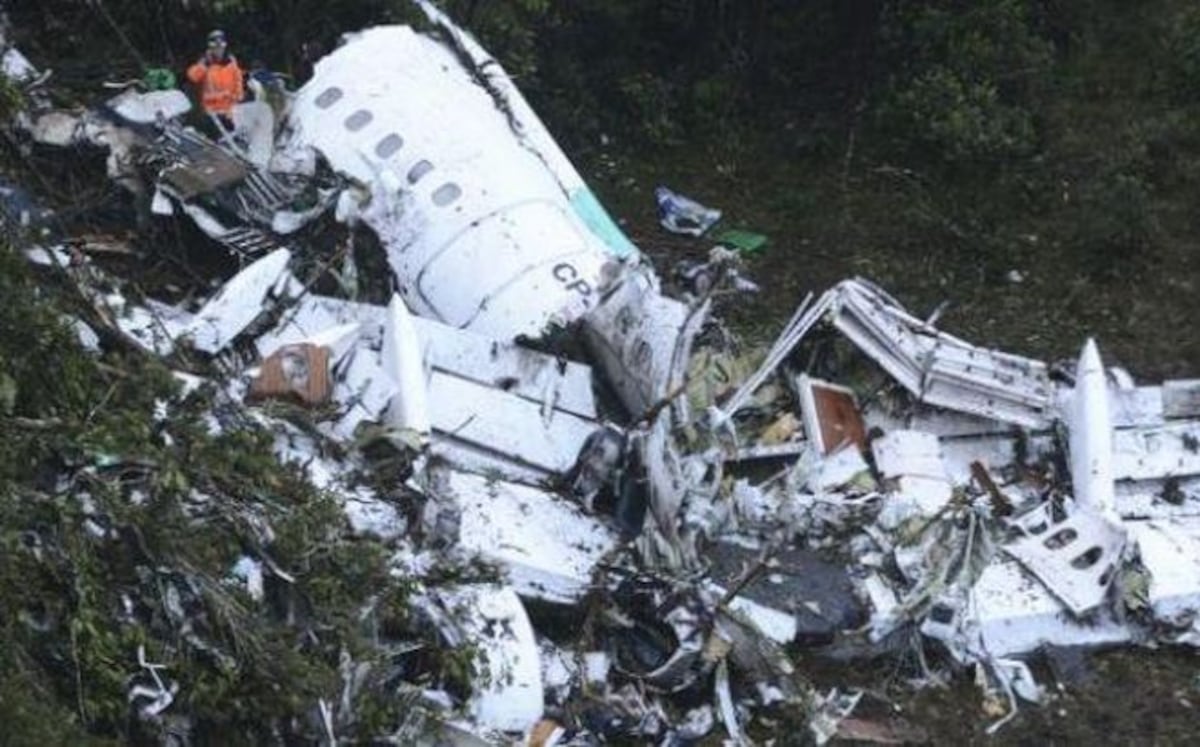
(960, 87)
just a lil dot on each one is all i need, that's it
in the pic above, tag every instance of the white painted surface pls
(642, 341)
(1076, 558)
(238, 302)
(146, 108)
(1091, 440)
(505, 424)
(1156, 452)
(16, 66)
(402, 360)
(1014, 613)
(534, 376)
(912, 460)
(509, 697)
(486, 238)
(547, 544)
(1170, 551)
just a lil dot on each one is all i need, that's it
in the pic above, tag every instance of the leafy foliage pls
(120, 531)
(959, 87)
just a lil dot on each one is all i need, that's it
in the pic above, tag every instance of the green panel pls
(746, 242)
(597, 219)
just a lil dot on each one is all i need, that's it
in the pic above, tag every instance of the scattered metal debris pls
(919, 482)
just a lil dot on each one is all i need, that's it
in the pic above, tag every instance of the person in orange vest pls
(220, 79)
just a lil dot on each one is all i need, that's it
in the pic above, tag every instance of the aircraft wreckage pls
(872, 476)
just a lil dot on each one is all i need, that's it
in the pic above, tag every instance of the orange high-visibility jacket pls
(221, 84)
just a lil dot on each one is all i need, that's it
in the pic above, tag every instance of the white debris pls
(549, 547)
(16, 67)
(1076, 558)
(913, 461)
(250, 572)
(596, 666)
(239, 302)
(1091, 447)
(408, 409)
(508, 693)
(151, 106)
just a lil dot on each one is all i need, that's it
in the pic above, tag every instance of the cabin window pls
(329, 97)
(419, 169)
(446, 194)
(359, 120)
(388, 147)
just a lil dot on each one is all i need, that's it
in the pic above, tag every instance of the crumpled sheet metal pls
(549, 548)
(488, 399)
(1076, 558)
(642, 341)
(240, 301)
(508, 694)
(938, 368)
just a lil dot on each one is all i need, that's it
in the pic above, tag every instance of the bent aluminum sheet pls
(549, 547)
(531, 375)
(491, 618)
(939, 368)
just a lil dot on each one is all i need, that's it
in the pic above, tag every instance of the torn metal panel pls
(16, 66)
(938, 368)
(1170, 552)
(912, 462)
(1010, 612)
(508, 695)
(482, 461)
(965, 438)
(945, 424)
(549, 547)
(1156, 453)
(1076, 558)
(642, 341)
(831, 416)
(362, 389)
(537, 377)
(1181, 398)
(154, 326)
(478, 425)
(254, 121)
(465, 192)
(834, 472)
(504, 424)
(1130, 408)
(1158, 499)
(239, 302)
(534, 376)
(150, 107)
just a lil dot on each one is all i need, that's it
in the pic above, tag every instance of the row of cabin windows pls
(390, 145)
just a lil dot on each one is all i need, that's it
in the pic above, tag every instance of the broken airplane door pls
(478, 230)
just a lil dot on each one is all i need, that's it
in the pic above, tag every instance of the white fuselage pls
(478, 230)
